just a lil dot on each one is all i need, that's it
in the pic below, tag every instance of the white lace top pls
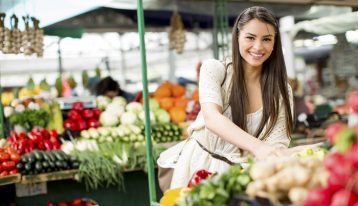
(188, 157)
(212, 75)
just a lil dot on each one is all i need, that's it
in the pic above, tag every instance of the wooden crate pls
(10, 179)
(51, 176)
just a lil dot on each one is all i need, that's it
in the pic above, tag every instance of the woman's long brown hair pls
(273, 78)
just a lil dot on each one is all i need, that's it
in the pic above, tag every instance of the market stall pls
(107, 143)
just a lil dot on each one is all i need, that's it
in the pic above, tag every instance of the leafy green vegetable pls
(217, 189)
(30, 118)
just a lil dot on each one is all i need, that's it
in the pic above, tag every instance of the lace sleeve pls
(278, 137)
(212, 74)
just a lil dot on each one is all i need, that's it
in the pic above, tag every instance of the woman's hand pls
(264, 151)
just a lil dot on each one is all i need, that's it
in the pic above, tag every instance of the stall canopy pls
(329, 25)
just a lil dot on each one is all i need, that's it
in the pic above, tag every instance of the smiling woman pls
(246, 103)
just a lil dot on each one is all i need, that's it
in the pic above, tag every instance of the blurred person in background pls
(109, 87)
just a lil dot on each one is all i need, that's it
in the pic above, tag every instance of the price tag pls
(25, 190)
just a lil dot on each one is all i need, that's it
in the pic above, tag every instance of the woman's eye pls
(267, 39)
(250, 38)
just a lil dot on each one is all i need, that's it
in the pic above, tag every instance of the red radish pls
(344, 197)
(332, 160)
(318, 196)
(352, 101)
(53, 133)
(332, 130)
(352, 155)
(340, 174)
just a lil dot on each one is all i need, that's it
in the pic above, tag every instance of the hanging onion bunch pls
(5, 40)
(2, 30)
(37, 41)
(32, 37)
(176, 33)
(15, 35)
(26, 37)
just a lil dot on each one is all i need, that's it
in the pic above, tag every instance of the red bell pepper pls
(88, 113)
(93, 123)
(96, 113)
(198, 176)
(74, 115)
(77, 106)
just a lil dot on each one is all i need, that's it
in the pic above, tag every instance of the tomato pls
(4, 173)
(62, 203)
(14, 171)
(8, 165)
(15, 157)
(4, 156)
(88, 203)
(49, 203)
(76, 202)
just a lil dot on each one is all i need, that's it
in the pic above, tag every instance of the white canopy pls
(328, 25)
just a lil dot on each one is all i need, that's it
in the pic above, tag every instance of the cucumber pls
(75, 165)
(38, 166)
(38, 155)
(20, 166)
(45, 164)
(52, 164)
(28, 167)
(58, 164)
(46, 156)
(57, 155)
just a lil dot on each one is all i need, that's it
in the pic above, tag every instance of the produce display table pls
(135, 192)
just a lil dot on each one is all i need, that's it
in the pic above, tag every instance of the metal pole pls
(150, 163)
(2, 125)
(60, 69)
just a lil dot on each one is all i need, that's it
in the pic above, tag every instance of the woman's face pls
(256, 41)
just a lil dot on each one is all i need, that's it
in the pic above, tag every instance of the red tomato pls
(4, 156)
(76, 202)
(14, 171)
(49, 203)
(4, 173)
(8, 165)
(15, 157)
(62, 203)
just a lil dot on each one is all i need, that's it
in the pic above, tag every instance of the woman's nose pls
(257, 45)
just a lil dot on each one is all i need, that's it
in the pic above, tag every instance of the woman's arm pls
(216, 122)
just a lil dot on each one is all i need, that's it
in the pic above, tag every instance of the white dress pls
(187, 157)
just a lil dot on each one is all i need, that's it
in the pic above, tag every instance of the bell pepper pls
(198, 176)
(88, 113)
(77, 106)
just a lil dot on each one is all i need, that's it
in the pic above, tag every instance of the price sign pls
(25, 190)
